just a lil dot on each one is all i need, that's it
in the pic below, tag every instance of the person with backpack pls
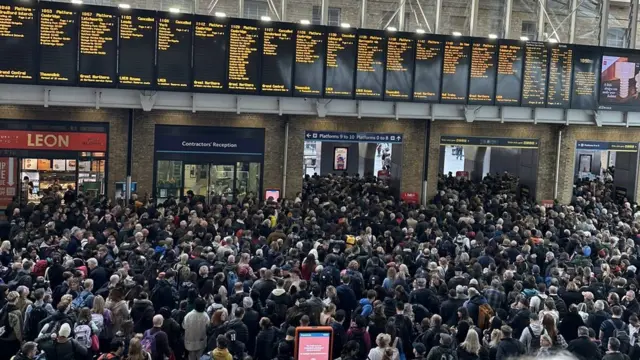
(479, 309)
(116, 350)
(62, 346)
(142, 313)
(358, 332)
(85, 298)
(84, 329)
(444, 350)
(282, 300)
(195, 330)
(155, 341)
(614, 351)
(530, 336)
(34, 314)
(613, 327)
(10, 327)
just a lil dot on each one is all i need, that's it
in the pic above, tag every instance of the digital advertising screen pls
(313, 346)
(619, 80)
(586, 77)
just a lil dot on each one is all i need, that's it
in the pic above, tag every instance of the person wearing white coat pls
(195, 330)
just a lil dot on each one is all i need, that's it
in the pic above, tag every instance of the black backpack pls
(32, 328)
(534, 345)
(326, 276)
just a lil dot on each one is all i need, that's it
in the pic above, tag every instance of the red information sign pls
(409, 197)
(44, 140)
(462, 174)
(8, 180)
(548, 203)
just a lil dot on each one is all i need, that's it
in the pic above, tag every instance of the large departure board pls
(455, 71)
(560, 72)
(18, 38)
(428, 69)
(370, 63)
(98, 47)
(586, 79)
(243, 72)
(310, 56)
(58, 44)
(137, 51)
(210, 53)
(509, 79)
(482, 76)
(398, 84)
(278, 47)
(174, 51)
(534, 78)
(342, 47)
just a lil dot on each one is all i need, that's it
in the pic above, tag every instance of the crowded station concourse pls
(475, 274)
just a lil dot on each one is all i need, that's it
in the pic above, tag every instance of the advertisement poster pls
(44, 164)
(71, 165)
(314, 346)
(8, 180)
(620, 77)
(59, 164)
(340, 155)
(29, 164)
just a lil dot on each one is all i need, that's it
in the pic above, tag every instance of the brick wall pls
(144, 133)
(547, 134)
(412, 155)
(118, 126)
(570, 135)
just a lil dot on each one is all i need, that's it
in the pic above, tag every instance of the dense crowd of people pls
(481, 273)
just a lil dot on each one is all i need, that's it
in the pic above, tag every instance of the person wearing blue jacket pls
(473, 305)
(367, 304)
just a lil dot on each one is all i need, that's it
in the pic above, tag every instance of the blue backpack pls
(232, 279)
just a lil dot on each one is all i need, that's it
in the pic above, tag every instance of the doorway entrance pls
(222, 181)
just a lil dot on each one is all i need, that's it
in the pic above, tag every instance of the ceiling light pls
(77, 2)
(420, 31)
(305, 22)
(174, 10)
(345, 25)
(265, 18)
(220, 14)
(493, 36)
(524, 38)
(553, 40)
(124, 6)
(457, 33)
(391, 28)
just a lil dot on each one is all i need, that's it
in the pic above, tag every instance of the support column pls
(324, 12)
(634, 24)
(473, 20)
(604, 22)
(401, 18)
(507, 18)
(283, 10)
(241, 8)
(436, 26)
(363, 14)
(572, 26)
(542, 4)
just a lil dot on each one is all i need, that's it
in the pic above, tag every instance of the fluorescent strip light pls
(305, 22)
(265, 18)
(391, 28)
(124, 6)
(220, 14)
(420, 31)
(457, 33)
(524, 38)
(493, 36)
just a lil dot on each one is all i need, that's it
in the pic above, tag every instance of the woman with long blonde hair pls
(136, 352)
(471, 348)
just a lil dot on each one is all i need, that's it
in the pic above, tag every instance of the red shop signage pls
(409, 197)
(8, 180)
(45, 140)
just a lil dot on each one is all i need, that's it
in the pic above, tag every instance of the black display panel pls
(482, 76)
(210, 53)
(136, 63)
(342, 48)
(398, 84)
(278, 48)
(428, 69)
(560, 73)
(58, 44)
(586, 77)
(534, 78)
(18, 39)
(98, 46)
(370, 64)
(619, 79)
(311, 42)
(509, 79)
(174, 51)
(243, 67)
(455, 71)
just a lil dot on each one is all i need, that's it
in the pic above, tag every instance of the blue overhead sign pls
(604, 145)
(352, 137)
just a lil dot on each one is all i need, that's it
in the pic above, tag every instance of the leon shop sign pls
(43, 140)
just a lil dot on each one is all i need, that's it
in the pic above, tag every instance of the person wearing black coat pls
(162, 295)
(264, 287)
(173, 331)
(570, 324)
(142, 313)
(424, 296)
(449, 308)
(264, 341)
(509, 347)
(97, 273)
(347, 298)
(339, 333)
(236, 324)
(251, 319)
(582, 347)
